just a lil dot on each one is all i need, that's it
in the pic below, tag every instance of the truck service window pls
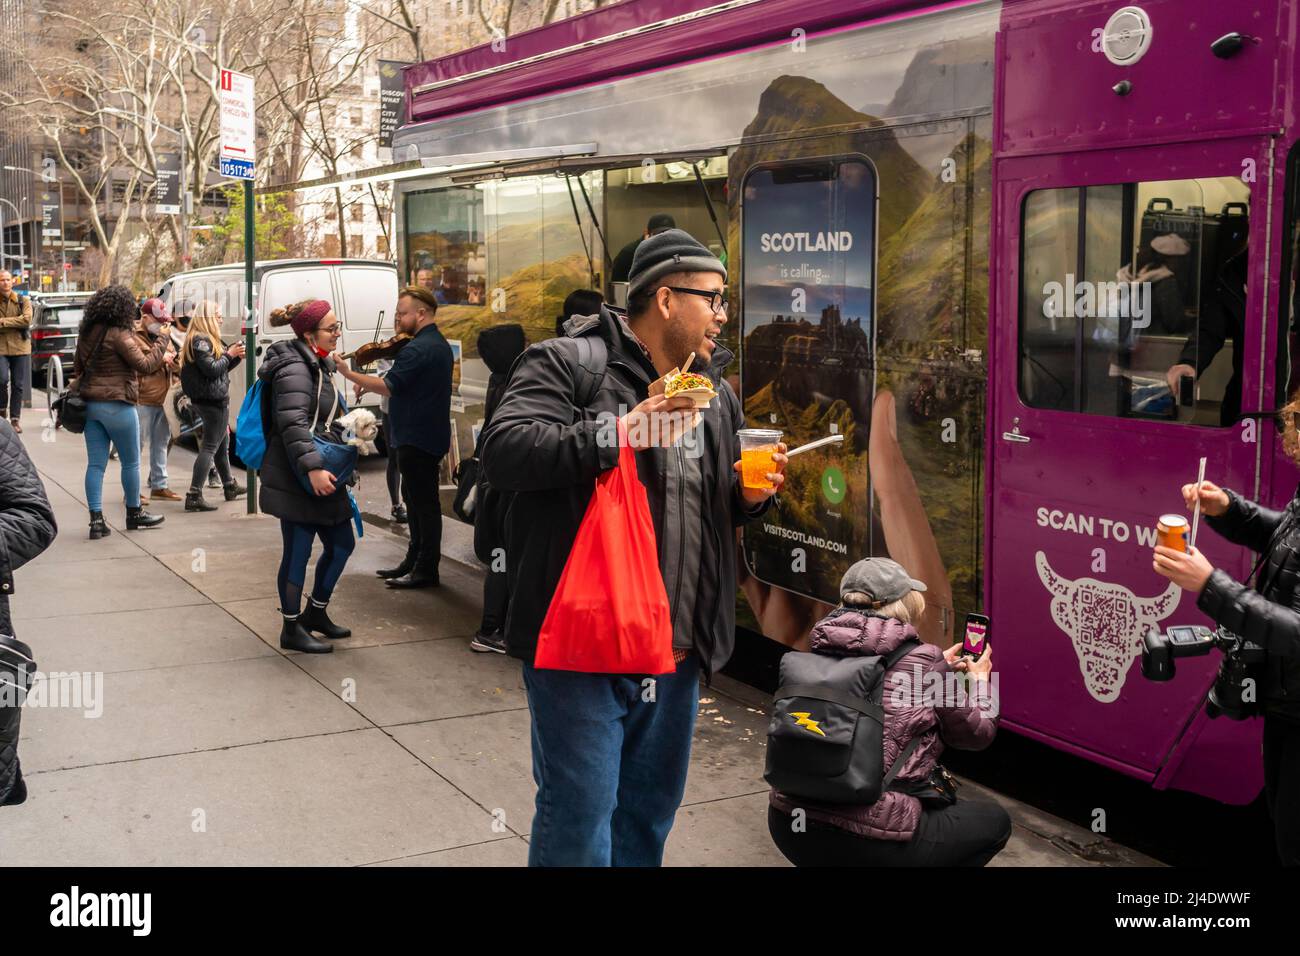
(1132, 299)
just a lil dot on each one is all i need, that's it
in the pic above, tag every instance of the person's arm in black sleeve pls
(1207, 339)
(741, 510)
(294, 388)
(26, 519)
(208, 363)
(1245, 611)
(1245, 522)
(532, 442)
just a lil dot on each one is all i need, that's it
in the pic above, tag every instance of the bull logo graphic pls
(1105, 622)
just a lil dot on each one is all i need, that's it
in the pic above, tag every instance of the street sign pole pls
(250, 338)
(238, 157)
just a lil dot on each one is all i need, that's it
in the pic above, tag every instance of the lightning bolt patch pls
(809, 725)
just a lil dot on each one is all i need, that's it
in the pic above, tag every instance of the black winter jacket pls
(26, 529)
(1268, 615)
(546, 451)
(206, 380)
(292, 377)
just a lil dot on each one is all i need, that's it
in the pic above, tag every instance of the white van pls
(362, 291)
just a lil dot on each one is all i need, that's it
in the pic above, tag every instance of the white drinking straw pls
(828, 440)
(1196, 511)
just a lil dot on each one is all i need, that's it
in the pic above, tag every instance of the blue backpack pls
(250, 436)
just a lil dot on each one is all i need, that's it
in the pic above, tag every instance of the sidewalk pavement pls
(209, 745)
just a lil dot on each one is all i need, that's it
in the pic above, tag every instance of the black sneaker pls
(485, 643)
(399, 515)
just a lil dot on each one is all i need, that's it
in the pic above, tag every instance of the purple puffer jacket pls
(895, 815)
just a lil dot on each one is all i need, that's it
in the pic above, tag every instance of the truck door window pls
(1132, 299)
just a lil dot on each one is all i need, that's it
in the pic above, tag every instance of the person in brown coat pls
(15, 347)
(154, 387)
(108, 364)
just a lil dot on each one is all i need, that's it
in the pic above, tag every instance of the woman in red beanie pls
(300, 400)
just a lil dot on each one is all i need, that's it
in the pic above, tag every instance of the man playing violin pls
(419, 429)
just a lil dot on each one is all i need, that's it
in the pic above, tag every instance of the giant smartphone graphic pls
(807, 367)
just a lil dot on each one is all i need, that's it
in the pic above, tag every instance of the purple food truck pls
(1032, 259)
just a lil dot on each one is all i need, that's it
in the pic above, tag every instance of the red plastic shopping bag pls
(610, 611)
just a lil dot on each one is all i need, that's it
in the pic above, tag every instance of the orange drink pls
(757, 446)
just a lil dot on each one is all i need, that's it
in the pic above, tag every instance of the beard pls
(680, 342)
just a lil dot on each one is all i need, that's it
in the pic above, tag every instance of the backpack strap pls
(898, 764)
(589, 368)
(820, 692)
(901, 651)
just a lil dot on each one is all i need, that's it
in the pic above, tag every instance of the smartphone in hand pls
(976, 639)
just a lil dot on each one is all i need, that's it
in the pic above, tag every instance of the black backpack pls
(588, 357)
(825, 741)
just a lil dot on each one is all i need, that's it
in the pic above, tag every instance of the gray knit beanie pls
(673, 250)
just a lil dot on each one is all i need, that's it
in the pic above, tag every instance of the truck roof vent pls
(1127, 36)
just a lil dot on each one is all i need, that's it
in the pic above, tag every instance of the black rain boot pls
(315, 619)
(194, 502)
(294, 638)
(234, 490)
(98, 527)
(137, 518)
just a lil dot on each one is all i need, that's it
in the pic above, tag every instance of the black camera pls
(1232, 695)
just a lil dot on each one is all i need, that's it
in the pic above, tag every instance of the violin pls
(374, 351)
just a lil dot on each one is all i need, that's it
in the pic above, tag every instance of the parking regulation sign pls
(238, 126)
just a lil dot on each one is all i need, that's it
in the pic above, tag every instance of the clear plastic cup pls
(757, 446)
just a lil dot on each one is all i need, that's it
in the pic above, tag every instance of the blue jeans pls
(155, 430)
(15, 381)
(114, 422)
(610, 765)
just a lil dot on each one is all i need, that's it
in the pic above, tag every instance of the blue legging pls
(116, 423)
(337, 541)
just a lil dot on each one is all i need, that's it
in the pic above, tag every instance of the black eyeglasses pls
(717, 300)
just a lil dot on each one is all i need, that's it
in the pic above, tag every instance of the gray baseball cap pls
(883, 579)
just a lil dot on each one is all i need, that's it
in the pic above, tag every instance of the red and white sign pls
(238, 125)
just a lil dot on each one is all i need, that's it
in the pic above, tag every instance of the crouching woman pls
(918, 820)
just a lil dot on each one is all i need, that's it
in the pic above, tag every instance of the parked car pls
(55, 318)
(362, 291)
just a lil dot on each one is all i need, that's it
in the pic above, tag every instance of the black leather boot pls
(294, 638)
(137, 518)
(194, 502)
(234, 490)
(98, 528)
(401, 571)
(315, 619)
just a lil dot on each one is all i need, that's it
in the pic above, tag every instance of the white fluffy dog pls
(358, 428)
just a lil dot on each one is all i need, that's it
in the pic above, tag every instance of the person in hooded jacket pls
(26, 529)
(611, 766)
(299, 393)
(498, 347)
(879, 600)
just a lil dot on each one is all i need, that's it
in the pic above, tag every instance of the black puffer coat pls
(292, 377)
(26, 529)
(1270, 614)
(206, 380)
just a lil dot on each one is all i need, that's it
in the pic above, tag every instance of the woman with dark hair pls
(108, 362)
(301, 401)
